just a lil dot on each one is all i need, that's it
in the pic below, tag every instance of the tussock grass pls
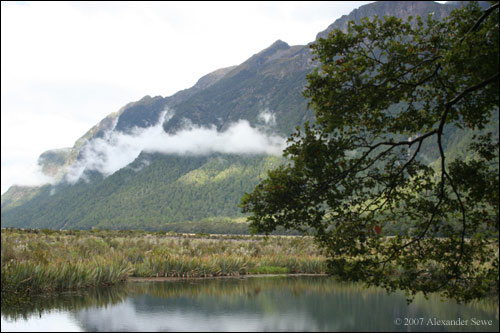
(41, 261)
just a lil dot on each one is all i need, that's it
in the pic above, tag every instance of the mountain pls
(157, 188)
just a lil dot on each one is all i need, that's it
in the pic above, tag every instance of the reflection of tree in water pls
(69, 301)
(234, 286)
(261, 303)
(277, 303)
(297, 286)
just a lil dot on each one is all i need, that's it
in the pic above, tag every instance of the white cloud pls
(267, 117)
(116, 150)
(24, 173)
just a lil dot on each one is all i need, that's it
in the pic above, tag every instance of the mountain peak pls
(274, 47)
(259, 59)
(280, 44)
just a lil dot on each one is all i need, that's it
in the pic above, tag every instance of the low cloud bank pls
(23, 173)
(116, 150)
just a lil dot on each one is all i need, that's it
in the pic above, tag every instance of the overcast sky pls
(66, 65)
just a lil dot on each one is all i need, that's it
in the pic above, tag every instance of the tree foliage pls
(382, 93)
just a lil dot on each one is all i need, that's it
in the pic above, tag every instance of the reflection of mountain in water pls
(270, 304)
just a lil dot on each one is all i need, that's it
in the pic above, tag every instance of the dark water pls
(252, 304)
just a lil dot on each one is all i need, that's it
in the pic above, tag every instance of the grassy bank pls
(41, 261)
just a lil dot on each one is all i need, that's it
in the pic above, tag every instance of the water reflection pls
(257, 304)
(69, 302)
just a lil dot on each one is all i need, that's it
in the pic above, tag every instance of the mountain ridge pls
(156, 190)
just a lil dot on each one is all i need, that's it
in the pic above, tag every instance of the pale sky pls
(66, 65)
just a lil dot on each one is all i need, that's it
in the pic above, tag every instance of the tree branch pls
(480, 85)
(486, 13)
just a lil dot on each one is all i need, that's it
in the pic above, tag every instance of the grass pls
(270, 270)
(45, 261)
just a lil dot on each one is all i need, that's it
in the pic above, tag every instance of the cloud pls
(267, 117)
(24, 174)
(143, 163)
(116, 150)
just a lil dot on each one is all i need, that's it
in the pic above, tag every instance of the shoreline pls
(244, 276)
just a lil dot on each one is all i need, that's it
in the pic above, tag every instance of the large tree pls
(387, 94)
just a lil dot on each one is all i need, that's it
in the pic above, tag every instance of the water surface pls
(253, 304)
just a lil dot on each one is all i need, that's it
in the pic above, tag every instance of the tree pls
(386, 94)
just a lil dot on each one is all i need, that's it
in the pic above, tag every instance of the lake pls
(279, 303)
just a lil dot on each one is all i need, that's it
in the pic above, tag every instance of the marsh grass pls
(45, 261)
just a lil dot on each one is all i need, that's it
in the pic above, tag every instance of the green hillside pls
(150, 193)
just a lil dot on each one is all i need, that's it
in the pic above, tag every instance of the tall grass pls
(63, 275)
(41, 261)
